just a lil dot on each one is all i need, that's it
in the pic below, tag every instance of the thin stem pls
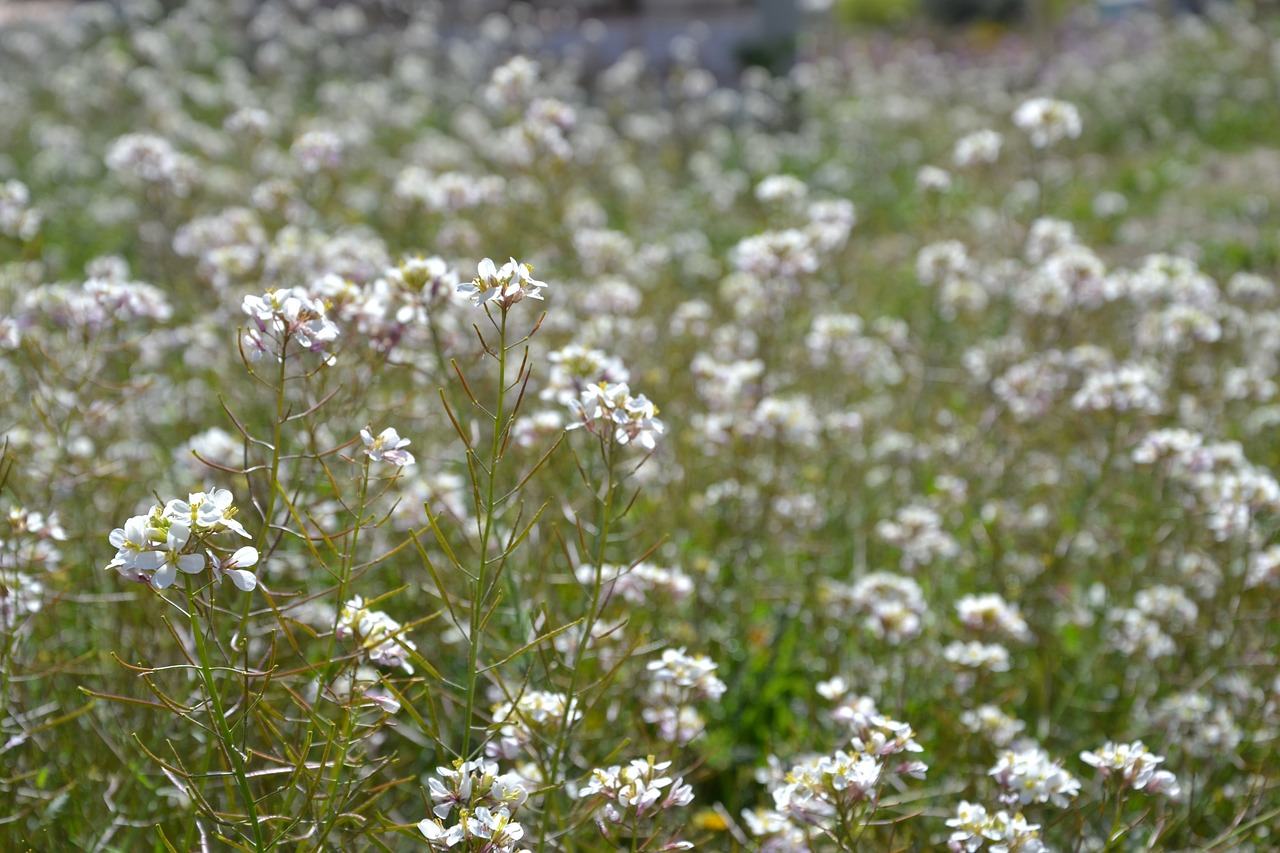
(603, 523)
(343, 739)
(481, 594)
(220, 723)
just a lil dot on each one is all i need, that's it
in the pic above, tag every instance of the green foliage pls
(878, 13)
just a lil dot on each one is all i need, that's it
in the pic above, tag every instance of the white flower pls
(1047, 121)
(1030, 775)
(508, 285)
(173, 558)
(386, 447)
(234, 568)
(437, 835)
(1135, 765)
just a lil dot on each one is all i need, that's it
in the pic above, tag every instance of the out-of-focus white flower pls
(933, 179)
(1135, 766)
(379, 635)
(977, 148)
(1030, 776)
(1047, 121)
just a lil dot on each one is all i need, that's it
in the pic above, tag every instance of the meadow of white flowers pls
(418, 439)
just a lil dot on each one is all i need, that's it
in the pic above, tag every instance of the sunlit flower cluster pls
(153, 547)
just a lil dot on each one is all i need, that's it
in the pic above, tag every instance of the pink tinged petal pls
(130, 573)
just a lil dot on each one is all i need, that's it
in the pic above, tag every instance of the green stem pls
(220, 724)
(342, 742)
(481, 594)
(273, 482)
(561, 745)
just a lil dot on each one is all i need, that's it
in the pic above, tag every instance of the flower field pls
(422, 439)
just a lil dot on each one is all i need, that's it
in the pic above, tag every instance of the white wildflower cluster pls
(503, 286)
(318, 150)
(871, 732)
(1263, 568)
(529, 722)
(976, 655)
(1031, 387)
(485, 801)
(789, 420)
(18, 219)
(677, 681)
(993, 724)
(917, 531)
(781, 190)
(27, 544)
(840, 339)
(981, 147)
(723, 385)
(387, 446)
(933, 180)
(153, 547)
(381, 637)
(575, 368)
(1131, 387)
(512, 82)
(642, 583)
(448, 192)
(1231, 492)
(990, 612)
(106, 298)
(1171, 279)
(150, 160)
(1003, 831)
(398, 306)
(685, 675)
(938, 262)
(893, 606)
(287, 315)
(815, 790)
(635, 792)
(609, 410)
(30, 540)
(1070, 278)
(777, 256)
(779, 834)
(1133, 633)
(417, 286)
(1200, 726)
(830, 223)
(1030, 775)
(229, 247)
(1047, 121)
(604, 252)
(1133, 766)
